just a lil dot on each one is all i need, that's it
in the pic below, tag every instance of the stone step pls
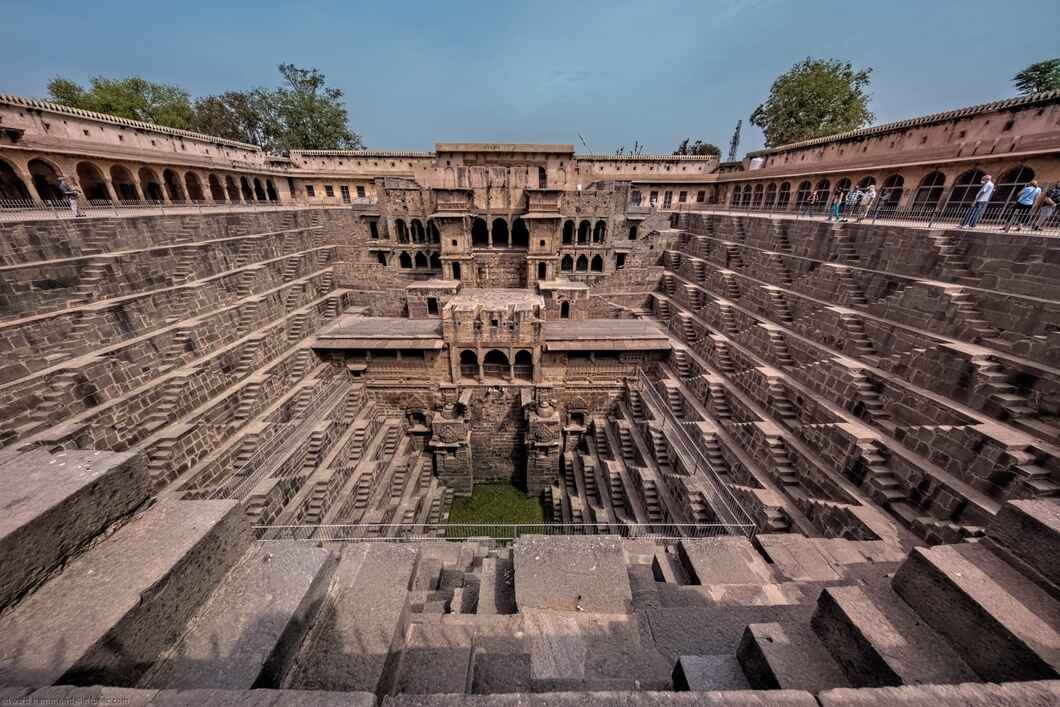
(778, 656)
(137, 590)
(56, 504)
(878, 641)
(254, 640)
(1028, 532)
(1003, 625)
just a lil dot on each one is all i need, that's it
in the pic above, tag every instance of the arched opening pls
(929, 191)
(468, 364)
(568, 233)
(633, 232)
(270, 191)
(456, 270)
(480, 234)
(500, 233)
(566, 264)
(245, 189)
(891, 193)
(217, 192)
(756, 196)
(45, 180)
(402, 231)
(822, 190)
(597, 265)
(11, 185)
(542, 271)
(734, 197)
(122, 180)
(231, 188)
(405, 260)
(495, 364)
(542, 178)
(436, 261)
(524, 365)
(1010, 184)
(191, 181)
(91, 181)
(520, 234)
(583, 232)
(599, 232)
(259, 191)
(381, 258)
(866, 182)
(422, 261)
(784, 195)
(432, 233)
(965, 187)
(173, 185)
(803, 193)
(151, 185)
(746, 200)
(564, 310)
(771, 195)
(583, 264)
(843, 185)
(419, 234)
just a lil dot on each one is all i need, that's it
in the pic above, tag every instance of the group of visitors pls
(856, 203)
(1027, 199)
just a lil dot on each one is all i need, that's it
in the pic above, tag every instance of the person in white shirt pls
(868, 197)
(981, 200)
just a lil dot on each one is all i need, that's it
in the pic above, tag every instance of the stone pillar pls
(137, 187)
(451, 446)
(110, 189)
(27, 179)
(543, 437)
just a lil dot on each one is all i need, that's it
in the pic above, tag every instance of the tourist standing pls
(982, 198)
(868, 198)
(1050, 200)
(852, 201)
(837, 204)
(70, 192)
(1024, 203)
(810, 204)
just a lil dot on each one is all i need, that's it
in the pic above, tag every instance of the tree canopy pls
(303, 113)
(697, 148)
(1042, 76)
(816, 97)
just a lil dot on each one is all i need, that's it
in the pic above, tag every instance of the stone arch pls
(1010, 183)
(891, 191)
(246, 190)
(583, 232)
(151, 185)
(771, 194)
(520, 234)
(746, 200)
(568, 232)
(173, 186)
(524, 365)
(436, 261)
(217, 192)
(600, 231)
(11, 185)
(866, 182)
(480, 234)
(803, 192)
(784, 195)
(495, 363)
(566, 264)
(405, 260)
(419, 233)
(965, 187)
(422, 260)
(469, 364)
(193, 187)
(734, 197)
(122, 181)
(843, 184)
(597, 265)
(402, 231)
(231, 188)
(270, 191)
(929, 191)
(564, 310)
(259, 191)
(756, 196)
(92, 183)
(500, 233)
(583, 264)
(45, 178)
(433, 234)
(822, 188)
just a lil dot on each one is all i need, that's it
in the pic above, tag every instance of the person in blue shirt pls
(1025, 201)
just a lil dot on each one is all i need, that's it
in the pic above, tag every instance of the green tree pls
(814, 98)
(132, 97)
(1042, 76)
(246, 116)
(697, 148)
(311, 116)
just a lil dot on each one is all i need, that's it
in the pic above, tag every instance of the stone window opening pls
(360, 192)
(373, 230)
(329, 190)
(456, 271)
(480, 237)
(583, 264)
(568, 233)
(381, 258)
(633, 232)
(310, 191)
(597, 264)
(564, 310)
(668, 199)
(500, 233)
(405, 261)
(432, 305)
(344, 190)
(583, 232)
(566, 264)
(620, 261)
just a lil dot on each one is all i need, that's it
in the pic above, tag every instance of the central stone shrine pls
(486, 375)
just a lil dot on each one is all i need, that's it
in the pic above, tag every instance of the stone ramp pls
(725, 560)
(361, 622)
(253, 624)
(56, 503)
(593, 571)
(112, 611)
(787, 657)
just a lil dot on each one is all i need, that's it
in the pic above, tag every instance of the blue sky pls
(656, 71)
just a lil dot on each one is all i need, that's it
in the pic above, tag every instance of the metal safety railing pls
(992, 217)
(26, 209)
(499, 532)
(721, 498)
